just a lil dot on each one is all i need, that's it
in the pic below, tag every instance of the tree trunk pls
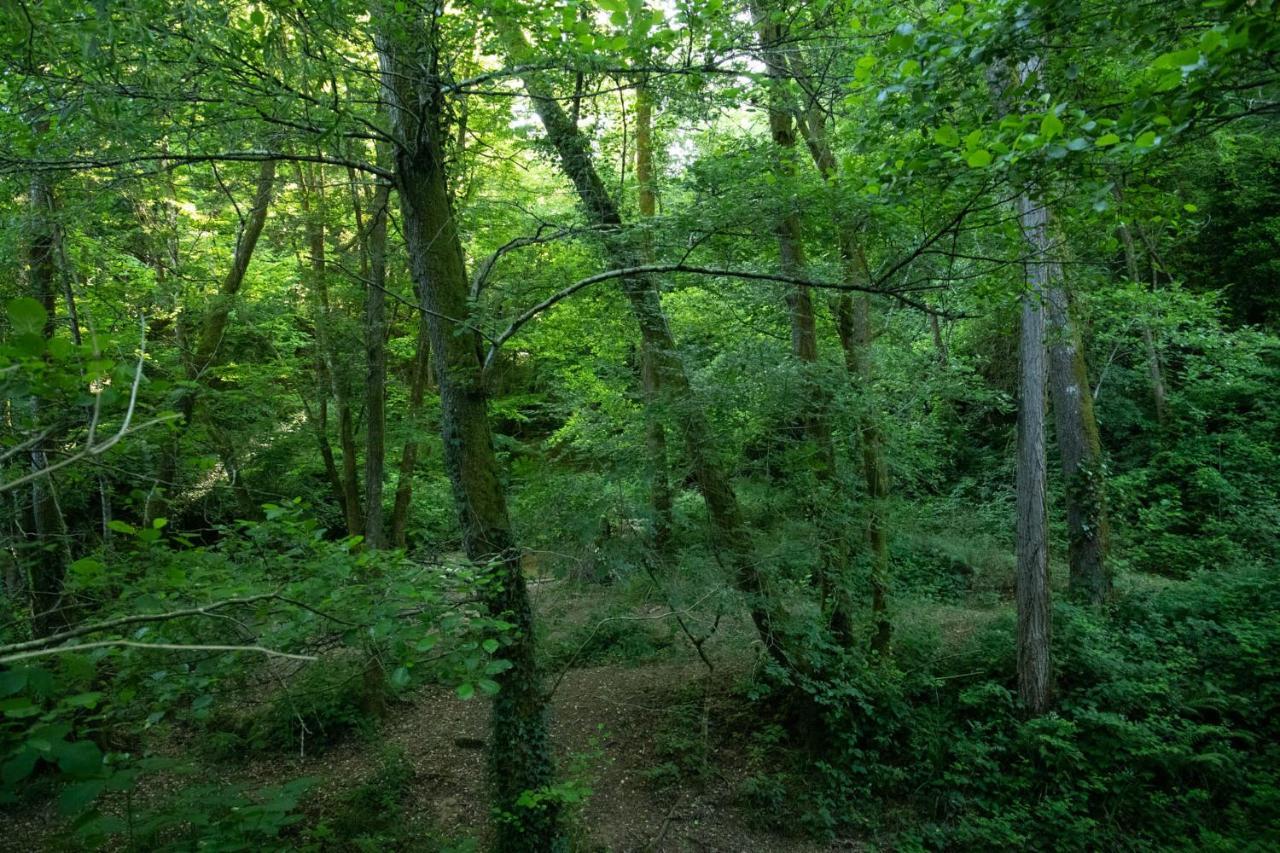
(375, 334)
(731, 538)
(520, 749)
(833, 554)
(1032, 578)
(655, 432)
(210, 334)
(311, 203)
(419, 374)
(1079, 448)
(48, 567)
(853, 325)
(1154, 370)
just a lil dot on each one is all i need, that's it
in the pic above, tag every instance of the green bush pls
(1165, 732)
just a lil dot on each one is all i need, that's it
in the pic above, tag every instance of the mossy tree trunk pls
(833, 556)
(674, 393)
(519, 745)
(655, 431)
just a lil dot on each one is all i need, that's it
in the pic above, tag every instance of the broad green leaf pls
(979, 159)
(27, 316)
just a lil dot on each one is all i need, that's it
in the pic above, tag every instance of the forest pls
(639, 425)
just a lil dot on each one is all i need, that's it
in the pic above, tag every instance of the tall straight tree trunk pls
(1032, 578)
(519, 744)
(213, 328)
(311, 203)
(731, 537)
(1079, 446)
(375, 335)
(853, 325)
(655, 432)
(833, 552)
(52, 550)
(419, 373)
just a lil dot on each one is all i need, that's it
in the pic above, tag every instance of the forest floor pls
(654, 741)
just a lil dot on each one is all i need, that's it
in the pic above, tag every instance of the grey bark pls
(1032, 574)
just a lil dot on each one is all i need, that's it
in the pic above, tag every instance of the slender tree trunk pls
(938, 342)
(375, 334)
(312, 200)
(655, 432)
(1154, 370)
(853, 325)
(419, 374)
(833, 550)
(520, 749)
(52, 550)
(731, 537)
(210, 334)
(1032, 578)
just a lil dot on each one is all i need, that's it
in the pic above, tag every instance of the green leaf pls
(1106, 139)
(257, 17)
(76, 798)
(488, 686)
(121, 527)
(1050, 126)
(13, 680)
(1190, 208)
(81, 758)
(490, 645)
(1145, 140)
(83, 700)
(946, 135)
(27, 316)
(19, 767)
(19, 707)
(466, 691)
(979, 159)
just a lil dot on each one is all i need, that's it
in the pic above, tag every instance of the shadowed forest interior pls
(609, 425)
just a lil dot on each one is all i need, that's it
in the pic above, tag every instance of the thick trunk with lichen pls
(519, 745)
(674, 393)
(1031, 580)
(833, 556)
(655, 432)
(1080, 450)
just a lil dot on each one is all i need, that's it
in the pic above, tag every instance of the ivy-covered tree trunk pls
(519, 744)
(655, 431)
(732, 539)
(1031, 581)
